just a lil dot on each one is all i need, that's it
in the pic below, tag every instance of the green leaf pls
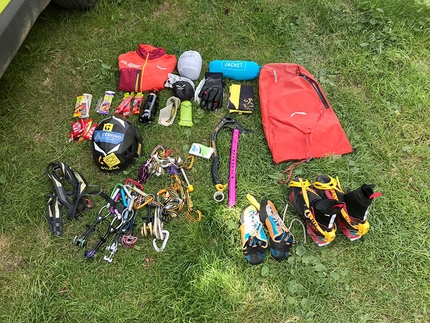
(265, 271)
(305, 302)
(335, 275)
(290, 300)
(320, 267)
(231, 225)
(365, 318)
(300, 251)
(346, 273)
(294, 287)
(309, 259)
(275, 176)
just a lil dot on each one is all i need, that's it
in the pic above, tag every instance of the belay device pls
(116, 142)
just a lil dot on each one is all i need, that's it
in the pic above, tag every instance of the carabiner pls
(146, 200)
(166, 235)
(130, 181)
(190, 216)
(188, 164)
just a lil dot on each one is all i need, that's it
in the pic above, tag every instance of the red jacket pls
(145, 69)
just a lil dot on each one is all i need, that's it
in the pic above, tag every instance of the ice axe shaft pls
(233, 160)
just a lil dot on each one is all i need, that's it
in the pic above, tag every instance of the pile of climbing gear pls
(296, 117)
(178, 193)
(129, 199)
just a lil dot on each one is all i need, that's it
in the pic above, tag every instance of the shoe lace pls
(304, 185)
(255, 224)
(333, 185)
(291, 225)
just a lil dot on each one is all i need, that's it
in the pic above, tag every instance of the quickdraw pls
(81, 241)
(114, 226)
(153, 225)
(122, 223)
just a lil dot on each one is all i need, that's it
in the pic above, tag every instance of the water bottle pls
(148, 111)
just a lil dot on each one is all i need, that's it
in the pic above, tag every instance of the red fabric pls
(296, 123)
(144, 69)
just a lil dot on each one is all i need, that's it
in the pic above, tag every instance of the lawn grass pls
(372, 60)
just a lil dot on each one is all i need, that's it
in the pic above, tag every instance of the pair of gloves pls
(210, 91)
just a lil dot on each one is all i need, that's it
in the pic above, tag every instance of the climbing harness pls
(69, 192)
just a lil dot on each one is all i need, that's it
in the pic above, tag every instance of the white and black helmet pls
(116, 142)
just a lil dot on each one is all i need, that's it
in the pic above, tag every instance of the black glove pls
(212, 92)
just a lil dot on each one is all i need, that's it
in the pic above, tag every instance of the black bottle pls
(148, 111)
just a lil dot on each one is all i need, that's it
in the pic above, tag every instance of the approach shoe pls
(352, 220)
(254, 240)
(281, 239)
(319, 214)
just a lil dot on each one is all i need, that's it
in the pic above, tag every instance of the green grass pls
(371, 58)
